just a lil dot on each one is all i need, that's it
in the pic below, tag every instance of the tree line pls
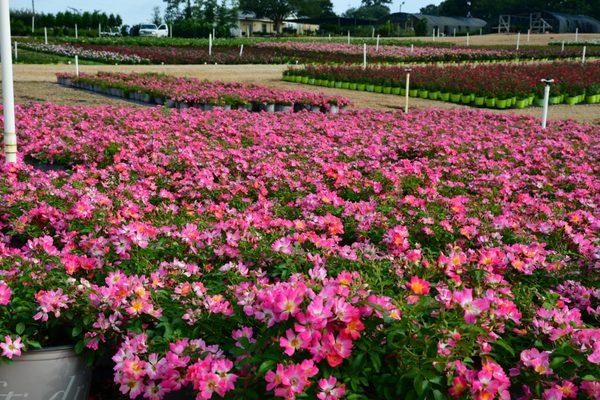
(489, 10)
(20, 21)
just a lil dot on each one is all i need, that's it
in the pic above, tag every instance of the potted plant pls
(41, 327)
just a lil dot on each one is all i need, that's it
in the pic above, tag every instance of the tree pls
(374, 12)
(156, 16)
(313, 8)
(276, 10)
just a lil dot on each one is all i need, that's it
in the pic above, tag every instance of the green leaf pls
(265, 366)
(20, 328)
(76, 330)
(437, 395)
(505, 346)
(376, 361)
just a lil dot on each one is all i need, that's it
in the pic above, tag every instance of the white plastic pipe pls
(76, 65)
(45, 35)
(241, 50)
(545, 112)
(454, 32)
(99, 29)
(348, 37)
(8, 94)
(576, 34)
(467, 38)
(583, 54)
(210, 44)
(364, 56)
(407, 89)
(528, 33)
(518, 39)
(16, 51)
(76, 32)
(377, 44)
(562, 48)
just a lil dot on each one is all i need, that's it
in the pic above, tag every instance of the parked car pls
(153, 30)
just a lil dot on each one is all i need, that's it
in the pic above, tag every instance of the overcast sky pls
(136, 11)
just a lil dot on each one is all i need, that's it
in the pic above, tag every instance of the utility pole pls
(8, 95)
(32, 16)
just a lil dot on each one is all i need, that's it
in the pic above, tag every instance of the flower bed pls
(367, 254)
(340, 52)
(101, 55)
(182, 92)
(278, 52)
(485, 85)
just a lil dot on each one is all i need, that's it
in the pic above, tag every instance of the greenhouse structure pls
(445, 26)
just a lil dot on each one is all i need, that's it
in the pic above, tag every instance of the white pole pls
(546, 99)
(454, 32)
(528, 33)
(16, 52)
(77, 66)
(348, 37)
(364, 56)
(210, 44)
(8, 95)
(582, 54)
(467, 38)
(171, 31)
(576, 34)
(412, 48)
(407, 89)
(33, 23)
(433, 34)
(45, 35)
(214, 36)
(377, 45)
(480, 31)
(76, 32)
(241, 50)
(518, 39)
(99, 29)
(330, 37)
(373, 33)
(562, 48)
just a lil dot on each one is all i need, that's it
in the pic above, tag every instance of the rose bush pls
(104, 56)
(193, 91)
(364, 255)
(502, 80)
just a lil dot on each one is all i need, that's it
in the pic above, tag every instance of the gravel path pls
(37, 83)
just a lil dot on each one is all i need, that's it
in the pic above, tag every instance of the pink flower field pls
(361, 255)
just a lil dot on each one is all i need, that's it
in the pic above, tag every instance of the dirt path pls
(37, 83)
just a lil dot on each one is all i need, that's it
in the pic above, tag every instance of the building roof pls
(342, 21)
(437, 20)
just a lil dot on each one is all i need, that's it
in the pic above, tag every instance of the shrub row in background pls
(490, 85)
(100, 55)
(227, 51)
(183, 92)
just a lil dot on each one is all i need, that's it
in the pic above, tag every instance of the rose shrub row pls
(101, 55)
(353, 53)
(369, 255)
(501, 81)
(192, 91)
(277, 52)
